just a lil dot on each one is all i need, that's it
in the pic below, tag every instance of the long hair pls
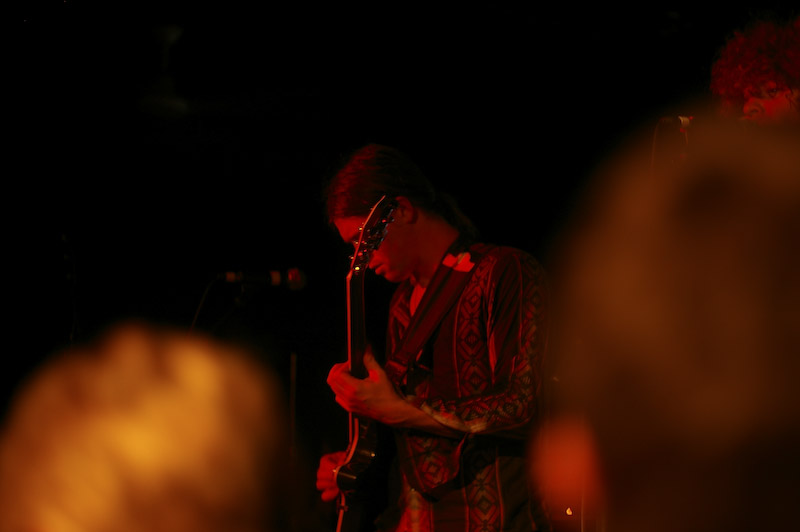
(376, 170)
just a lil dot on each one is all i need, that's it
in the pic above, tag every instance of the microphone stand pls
(683, 123)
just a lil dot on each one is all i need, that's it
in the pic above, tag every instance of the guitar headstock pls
(372, 233)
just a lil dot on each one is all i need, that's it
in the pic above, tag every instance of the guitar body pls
(363, 477)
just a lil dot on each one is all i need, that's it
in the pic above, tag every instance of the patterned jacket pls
(479, 373)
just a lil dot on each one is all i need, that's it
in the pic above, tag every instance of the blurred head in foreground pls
(678, 340)
(145, 430)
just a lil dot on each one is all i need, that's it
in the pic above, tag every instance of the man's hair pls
(766, 50)
(376, 170)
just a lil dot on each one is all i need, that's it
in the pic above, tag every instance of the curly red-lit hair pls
(765, 51)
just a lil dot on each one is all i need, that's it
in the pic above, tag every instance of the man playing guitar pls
(465, 346)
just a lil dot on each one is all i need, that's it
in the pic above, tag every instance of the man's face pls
(394, 258)
(770, 104)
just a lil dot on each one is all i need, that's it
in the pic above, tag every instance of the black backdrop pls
(158, 147)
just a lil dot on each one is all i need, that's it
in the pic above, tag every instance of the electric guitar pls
(362, 477)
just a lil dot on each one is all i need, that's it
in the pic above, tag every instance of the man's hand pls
(326, 478)
(374, 396)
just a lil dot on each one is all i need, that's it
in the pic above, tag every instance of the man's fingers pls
(329, 495)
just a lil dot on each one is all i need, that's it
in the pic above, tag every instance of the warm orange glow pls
(138, 414)
(565, 464)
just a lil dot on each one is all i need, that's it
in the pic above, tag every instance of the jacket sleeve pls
(500, 349)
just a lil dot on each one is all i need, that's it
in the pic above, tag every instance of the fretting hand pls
(374, 396)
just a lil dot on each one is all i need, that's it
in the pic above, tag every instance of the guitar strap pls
(443, 291)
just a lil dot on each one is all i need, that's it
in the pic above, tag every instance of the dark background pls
(156, 147)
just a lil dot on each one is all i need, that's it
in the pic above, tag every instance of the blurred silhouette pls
(676, 403)
(147, 430)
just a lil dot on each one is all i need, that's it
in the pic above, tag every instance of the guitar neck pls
(356, 329)
(359, 468)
